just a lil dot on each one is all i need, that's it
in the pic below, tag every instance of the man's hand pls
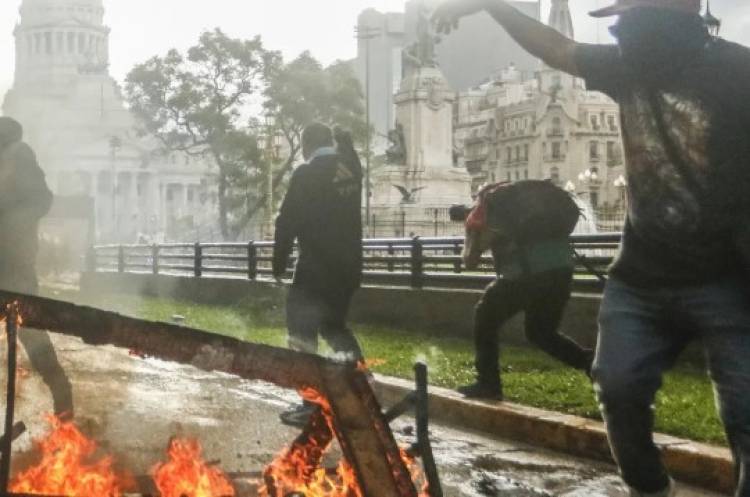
(447, 15)
(536, 38)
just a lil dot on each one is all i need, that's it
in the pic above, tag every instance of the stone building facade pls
(546, 127)
(86, 139)
(387, 34)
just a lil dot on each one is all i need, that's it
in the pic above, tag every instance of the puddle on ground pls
(132, 406)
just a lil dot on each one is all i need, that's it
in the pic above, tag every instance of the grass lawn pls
(685, 406)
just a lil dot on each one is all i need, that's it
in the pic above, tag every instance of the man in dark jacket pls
(24, 200)
(684, 100)
(322, 210)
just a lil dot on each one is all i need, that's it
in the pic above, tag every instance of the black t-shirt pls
(322, 210)
(687, 149)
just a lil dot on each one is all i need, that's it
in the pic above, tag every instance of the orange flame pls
(297, 471)
(187, 475)
(66, 467)
(366, 365)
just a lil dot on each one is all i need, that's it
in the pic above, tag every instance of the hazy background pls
(142, 28)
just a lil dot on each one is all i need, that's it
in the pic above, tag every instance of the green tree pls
(197, 103)
(298, 93)
(208, 102)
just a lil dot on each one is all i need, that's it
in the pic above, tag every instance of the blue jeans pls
(641, 333)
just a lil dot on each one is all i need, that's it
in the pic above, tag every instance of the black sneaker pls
(482, 391)
(299, 416)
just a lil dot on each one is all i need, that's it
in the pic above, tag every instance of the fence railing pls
(405, 262)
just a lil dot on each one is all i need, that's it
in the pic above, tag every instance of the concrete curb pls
(694, 463)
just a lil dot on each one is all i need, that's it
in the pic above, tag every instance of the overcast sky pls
(142, 28)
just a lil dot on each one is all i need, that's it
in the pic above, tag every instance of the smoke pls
(433, 357)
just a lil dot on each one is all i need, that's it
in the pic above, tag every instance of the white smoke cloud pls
(142, 28)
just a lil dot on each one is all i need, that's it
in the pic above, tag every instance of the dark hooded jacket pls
(24, 200)
(322, 210)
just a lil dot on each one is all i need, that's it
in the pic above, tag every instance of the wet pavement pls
(132, 407)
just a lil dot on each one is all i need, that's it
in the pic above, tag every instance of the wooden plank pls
(361, 428)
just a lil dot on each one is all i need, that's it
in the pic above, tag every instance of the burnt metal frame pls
(360, 426)
(419, 401)
(11, 331)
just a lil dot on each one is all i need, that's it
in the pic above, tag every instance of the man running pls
(685, 107)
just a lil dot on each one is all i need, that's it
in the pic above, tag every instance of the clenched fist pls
(447, 15)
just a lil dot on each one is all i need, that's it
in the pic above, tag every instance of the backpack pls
(527, 211)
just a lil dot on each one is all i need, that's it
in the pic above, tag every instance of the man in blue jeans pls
(685, 109)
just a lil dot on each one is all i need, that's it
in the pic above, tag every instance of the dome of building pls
(36, 12)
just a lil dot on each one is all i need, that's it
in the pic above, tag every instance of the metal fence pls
(403, 262)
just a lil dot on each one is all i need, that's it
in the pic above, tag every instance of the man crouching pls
(526, 226)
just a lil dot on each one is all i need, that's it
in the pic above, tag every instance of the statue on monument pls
(396, 153)
(421, 53)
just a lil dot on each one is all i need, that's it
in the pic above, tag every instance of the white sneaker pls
(670, 491)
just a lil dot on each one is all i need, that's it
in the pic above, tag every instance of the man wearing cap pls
(685, 110)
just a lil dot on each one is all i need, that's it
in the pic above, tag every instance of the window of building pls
(525, 174)
(556, 150)
(594, 150)
(191, 195)
(526, 152)
(554, 174)
(611, 122)
(48, 43)
(518, 175)
(610, 150)
(510, 178)
(595, 121)
(508, 153)
(518, 152)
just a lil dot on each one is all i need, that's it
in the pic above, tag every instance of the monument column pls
(421, 176)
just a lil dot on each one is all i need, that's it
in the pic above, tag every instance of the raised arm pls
(538, 39)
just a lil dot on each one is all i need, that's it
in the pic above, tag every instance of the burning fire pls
(67, 467)
(367, 364)
(187, 475)
(298, 470)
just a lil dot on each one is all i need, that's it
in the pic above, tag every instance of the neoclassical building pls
(547, 127)
(86, 139)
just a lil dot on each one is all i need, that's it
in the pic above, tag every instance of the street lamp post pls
(621, 184)
(270, 159)
(366, 34)
(115, 144)
(590, 178)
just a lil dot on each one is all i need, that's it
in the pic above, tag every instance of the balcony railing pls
(554, 158)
